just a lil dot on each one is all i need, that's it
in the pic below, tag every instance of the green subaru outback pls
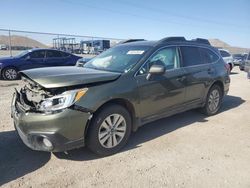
(125, 87)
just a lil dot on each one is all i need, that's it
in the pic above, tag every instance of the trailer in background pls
(94, 46)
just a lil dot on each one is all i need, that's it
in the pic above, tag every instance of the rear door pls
(199, 72)
(161, 93)
(55, 58)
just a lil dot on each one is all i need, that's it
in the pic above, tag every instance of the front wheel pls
(213, 101)
(109, 130)
(10, 73)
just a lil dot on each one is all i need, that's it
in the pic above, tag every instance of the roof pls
(36, 49)
(169, 41)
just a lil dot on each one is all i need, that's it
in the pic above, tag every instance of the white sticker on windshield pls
(135, 52)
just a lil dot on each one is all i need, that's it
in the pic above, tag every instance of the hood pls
(55, 77)
(6, 59)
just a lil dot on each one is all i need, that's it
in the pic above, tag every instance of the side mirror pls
(27, 58)
(156, 70)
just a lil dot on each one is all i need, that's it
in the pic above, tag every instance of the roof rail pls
(172, 39)
(131, 40)
(202, 41)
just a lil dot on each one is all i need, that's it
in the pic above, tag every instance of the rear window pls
(224, 53)
(64, 54)
(191, 56)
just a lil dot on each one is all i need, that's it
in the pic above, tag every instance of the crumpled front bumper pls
(65, 129)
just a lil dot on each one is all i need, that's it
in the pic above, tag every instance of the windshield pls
(118, 59)
(22, 53)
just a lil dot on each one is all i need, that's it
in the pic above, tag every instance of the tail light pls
(227, 67)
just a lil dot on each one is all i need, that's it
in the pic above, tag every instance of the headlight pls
(61, 101)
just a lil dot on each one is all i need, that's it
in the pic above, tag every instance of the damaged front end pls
(44, 118)
(32, 97)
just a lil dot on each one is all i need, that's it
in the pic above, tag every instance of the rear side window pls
(224, 53)
(65, 54)
(52, 53)
(37, 54)
(208, 56)
(191, 56)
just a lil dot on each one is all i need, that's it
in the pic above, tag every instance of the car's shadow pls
(155, 129)
(16, 160)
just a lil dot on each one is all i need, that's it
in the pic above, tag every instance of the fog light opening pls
(47, 143)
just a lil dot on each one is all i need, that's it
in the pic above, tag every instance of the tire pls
(102, 138)
(213, 101)
(10, 73)
(231, 67)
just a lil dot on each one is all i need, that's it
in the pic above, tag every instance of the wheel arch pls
(220, 84)
(122, 102)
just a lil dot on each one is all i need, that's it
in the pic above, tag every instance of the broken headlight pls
(59, 102)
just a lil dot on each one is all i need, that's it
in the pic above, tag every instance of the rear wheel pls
(109, 130)
(10, 73)
(213, 101)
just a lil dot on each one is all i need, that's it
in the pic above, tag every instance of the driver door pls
(161, 94)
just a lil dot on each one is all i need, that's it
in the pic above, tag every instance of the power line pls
(162, 11)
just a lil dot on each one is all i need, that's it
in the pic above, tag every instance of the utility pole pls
(10, 44)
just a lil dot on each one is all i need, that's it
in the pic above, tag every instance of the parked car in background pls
(247, 65)
(125, 87)
(3, 47)
(242, 63)
(237, 58)
(227, 57)
(35, 58)
(82, 61)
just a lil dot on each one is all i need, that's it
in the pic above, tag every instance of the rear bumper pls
(65, 130)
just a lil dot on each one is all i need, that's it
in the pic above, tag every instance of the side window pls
(52, 53)
(248, 57)
(191, 56)
(224, 53)
(168, 57)
(37, 54)
(65, 54)
(208, 56)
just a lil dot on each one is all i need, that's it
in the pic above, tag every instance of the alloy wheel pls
(10, 74)
(112, 130)
(214, 100)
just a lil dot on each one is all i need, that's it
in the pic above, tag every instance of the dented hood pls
(54, 77)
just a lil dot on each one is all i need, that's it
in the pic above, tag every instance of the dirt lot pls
(186, 150)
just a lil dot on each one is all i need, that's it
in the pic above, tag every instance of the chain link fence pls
(13, 42)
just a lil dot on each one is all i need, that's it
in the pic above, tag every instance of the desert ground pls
(185, 150)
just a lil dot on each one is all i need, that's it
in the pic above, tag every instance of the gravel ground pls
(185, 150)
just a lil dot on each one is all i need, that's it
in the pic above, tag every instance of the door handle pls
(181, 79)
(210, 71)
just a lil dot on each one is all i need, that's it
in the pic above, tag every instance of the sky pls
(227, 20)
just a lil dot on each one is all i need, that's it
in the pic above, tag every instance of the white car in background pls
(247, 65)
(227, 57)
